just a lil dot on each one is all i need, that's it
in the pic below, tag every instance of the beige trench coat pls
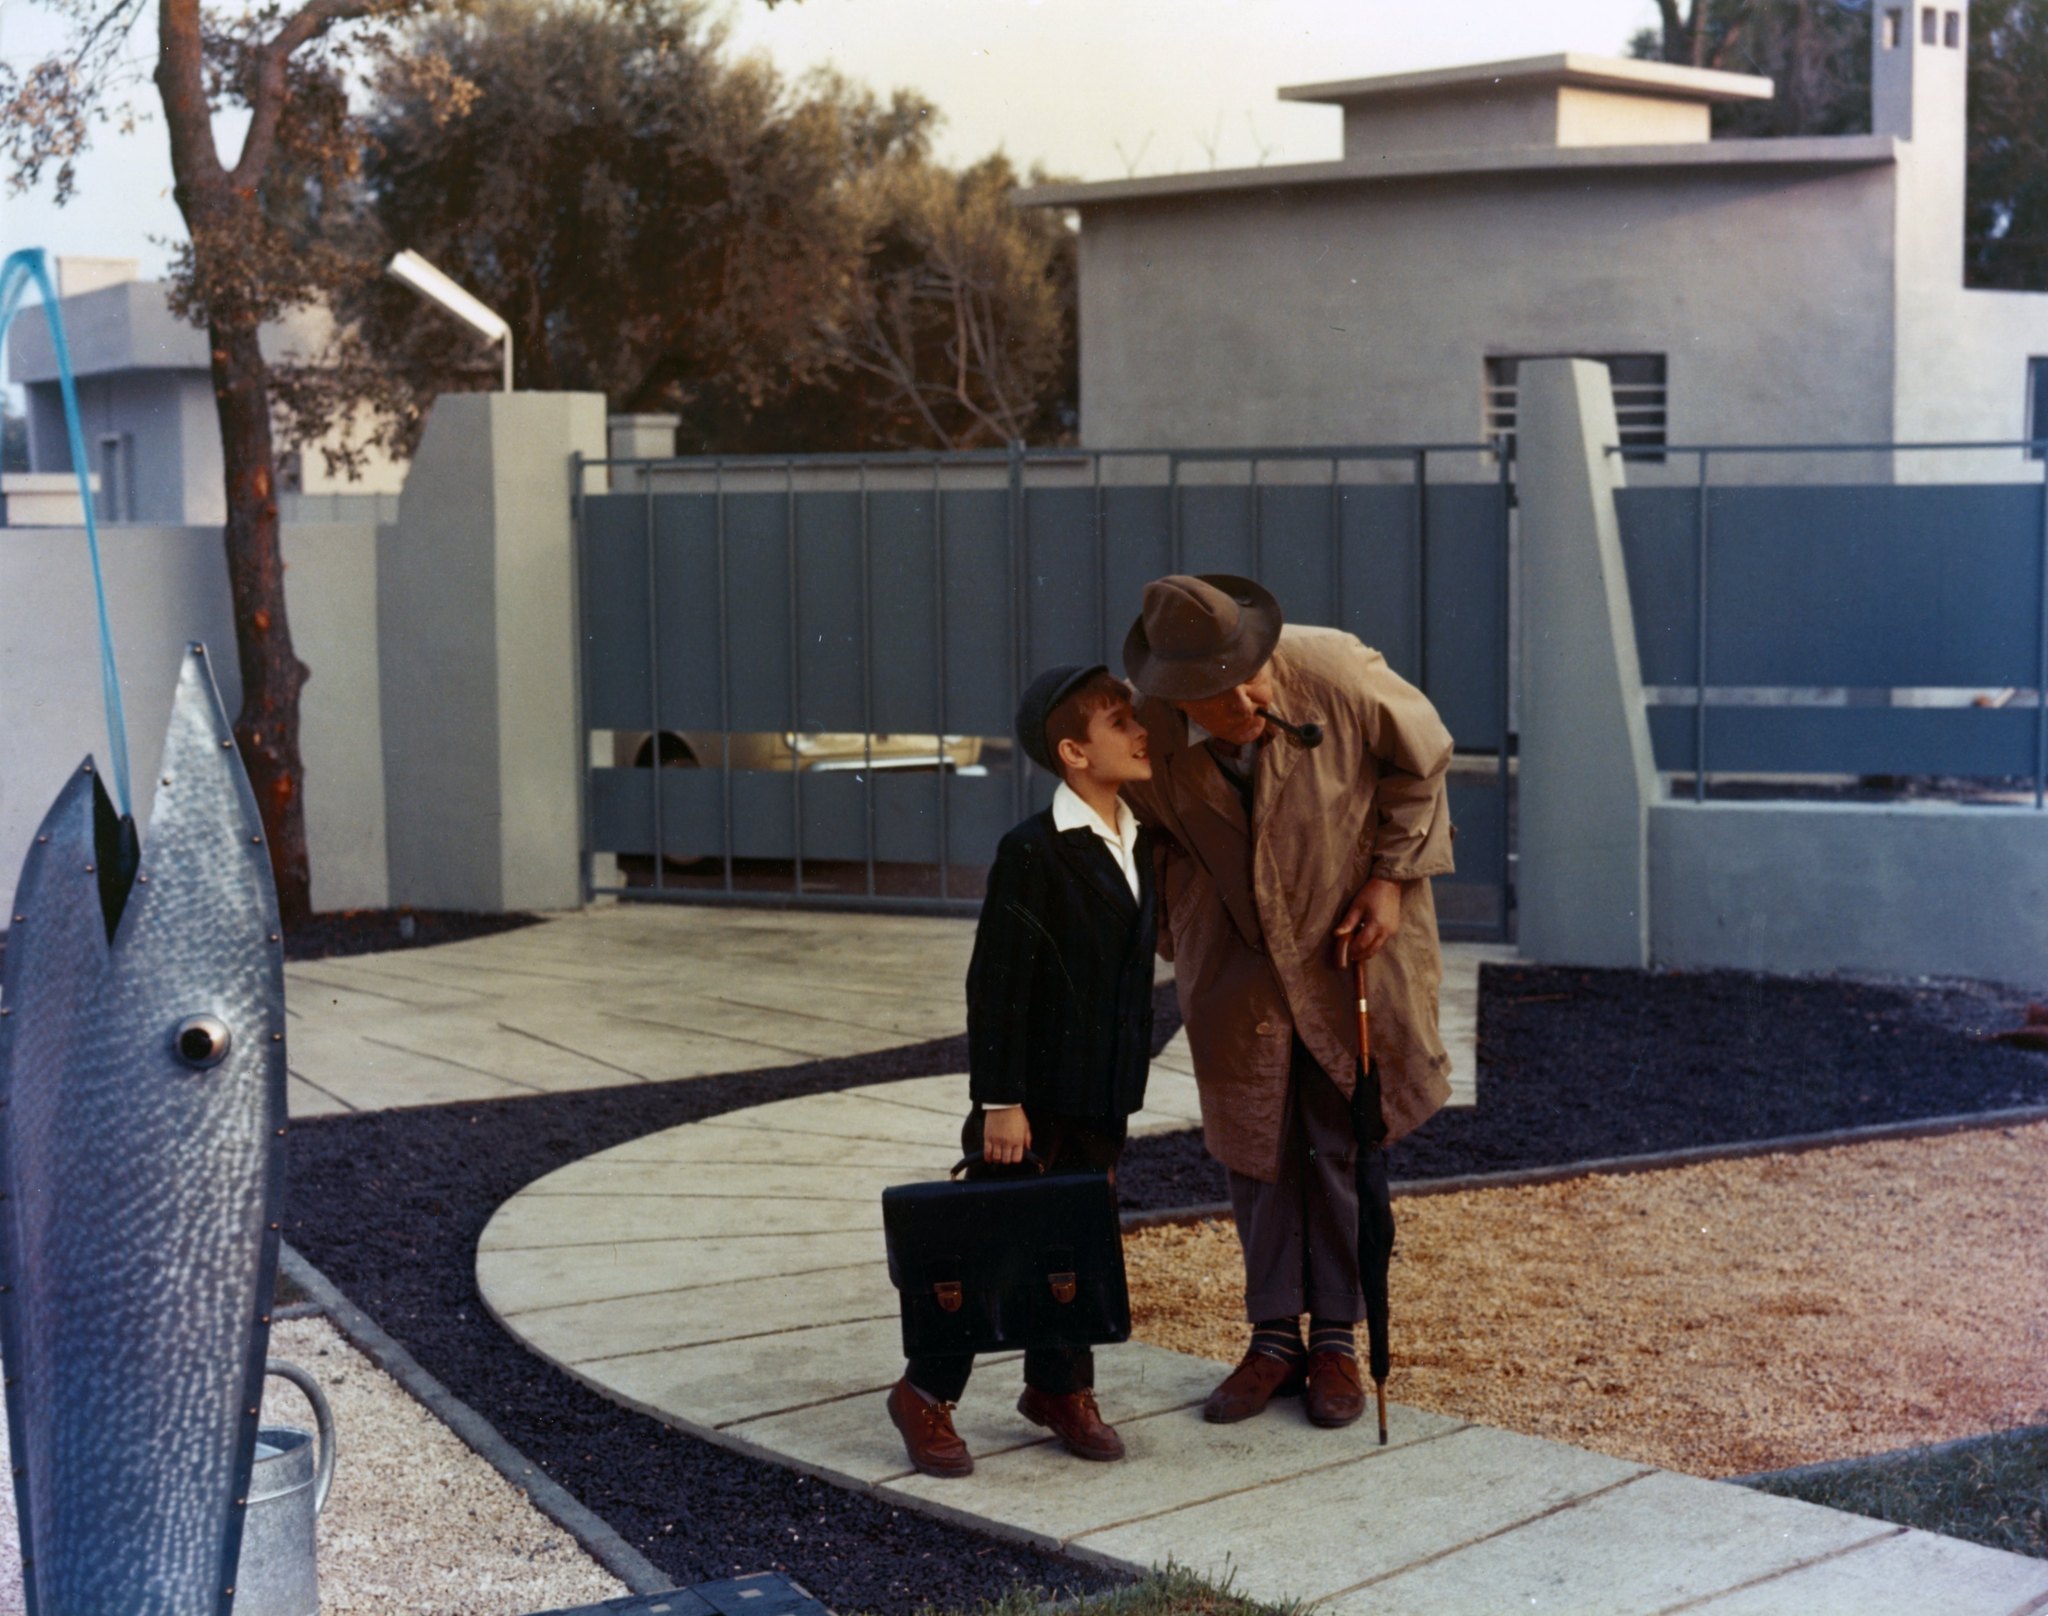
(1248, 919)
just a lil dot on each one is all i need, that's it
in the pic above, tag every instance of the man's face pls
(1233, 717)
(1115, 748)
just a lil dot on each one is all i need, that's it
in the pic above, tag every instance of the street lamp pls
(410, 269)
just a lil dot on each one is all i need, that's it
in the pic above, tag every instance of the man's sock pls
(1278, 1338)
(1332, 1335)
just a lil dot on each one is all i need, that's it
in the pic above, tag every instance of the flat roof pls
(1623, 73)
(1794, 152)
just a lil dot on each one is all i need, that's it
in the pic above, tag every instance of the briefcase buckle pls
(948, 1293)
(1063, 1286)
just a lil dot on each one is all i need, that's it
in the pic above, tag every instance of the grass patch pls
(1175, 1591)
(1991, 1490)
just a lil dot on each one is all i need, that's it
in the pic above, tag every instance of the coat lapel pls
(1217, 832)
(1092, 861)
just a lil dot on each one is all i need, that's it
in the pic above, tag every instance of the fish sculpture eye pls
(201, 1041)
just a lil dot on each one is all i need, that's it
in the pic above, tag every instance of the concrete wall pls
(165, 586)
(1365, 312)
(477, 636)
(1892, 889)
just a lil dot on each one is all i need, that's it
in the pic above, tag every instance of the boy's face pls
(1114, 751)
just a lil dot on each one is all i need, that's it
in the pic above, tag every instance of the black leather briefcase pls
(989, 1263)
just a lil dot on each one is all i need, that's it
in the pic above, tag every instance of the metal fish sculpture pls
(142, 1120)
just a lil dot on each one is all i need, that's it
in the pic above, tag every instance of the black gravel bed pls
(390, 1204)
(1577, 1065)
(380, 931)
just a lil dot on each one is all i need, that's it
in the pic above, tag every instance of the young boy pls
(1059, 1020)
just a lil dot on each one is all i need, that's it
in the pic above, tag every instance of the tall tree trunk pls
(267, 727)
(217, 206)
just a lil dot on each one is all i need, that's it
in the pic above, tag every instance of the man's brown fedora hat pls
(1200, 636)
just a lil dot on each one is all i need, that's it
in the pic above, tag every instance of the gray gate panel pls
(758, 595)
(981, 692)
(614, 585)
(1294, 552)
(1068, 609)
(1219, 529)
(686, 581)
(1476, 812)
(1467, 639)
(1379, 571)
(1850, 740)
(903, 539)
(1805, 585)
(832, 643)
(1137, 546)
(692, 810)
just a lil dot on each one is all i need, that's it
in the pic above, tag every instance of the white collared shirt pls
(1069, 812)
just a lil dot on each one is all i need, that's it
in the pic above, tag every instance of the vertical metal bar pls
(653, 674)
(2041, 656)
(578, 583)
(1103, 648)
(867, 682)
(724, 673)
(1336, 543)
(1258, 553)
(1699, 712)
(1173, 513)
(1504, 781)
(1020, 582)
(1422, 569)
(945, 782)
(796, 687)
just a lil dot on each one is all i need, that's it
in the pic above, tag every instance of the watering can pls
(287, 1488)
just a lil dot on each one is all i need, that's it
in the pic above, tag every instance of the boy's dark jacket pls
(1059, 992)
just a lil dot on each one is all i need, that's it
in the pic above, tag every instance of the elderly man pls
(1277, 848)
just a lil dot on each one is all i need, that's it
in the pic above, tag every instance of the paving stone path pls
(726, 1276)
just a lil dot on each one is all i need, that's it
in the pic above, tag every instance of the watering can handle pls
(323, 1419)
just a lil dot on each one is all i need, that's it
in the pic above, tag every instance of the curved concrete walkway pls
(727, 1277)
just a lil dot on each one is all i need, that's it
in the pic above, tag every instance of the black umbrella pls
(1375, 1197)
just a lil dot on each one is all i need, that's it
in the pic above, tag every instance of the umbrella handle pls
(1364, 1020)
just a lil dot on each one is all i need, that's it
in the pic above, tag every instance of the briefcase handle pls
(978, 1158)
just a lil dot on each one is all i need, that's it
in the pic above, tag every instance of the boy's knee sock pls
(1278, 1338)
(1332, 1335)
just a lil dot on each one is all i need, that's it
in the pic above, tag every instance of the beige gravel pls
(1736, 1316)
(416, 1521)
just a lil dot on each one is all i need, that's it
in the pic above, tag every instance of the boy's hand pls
(1005, 1135)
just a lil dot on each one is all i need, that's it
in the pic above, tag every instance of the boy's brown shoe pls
(1258, 1378)
(1335, 1396)
(928, 1434)
(1075, 1420)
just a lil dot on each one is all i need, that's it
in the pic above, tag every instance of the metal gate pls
(799, 672)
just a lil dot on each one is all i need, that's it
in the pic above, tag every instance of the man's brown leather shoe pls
(1075, 1420)
(1258, 1378)
(1336, 1396)
(928, 1434)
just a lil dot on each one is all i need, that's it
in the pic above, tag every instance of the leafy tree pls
(248, 259)
(784, 267)
(2006, 214)
(1817, 52)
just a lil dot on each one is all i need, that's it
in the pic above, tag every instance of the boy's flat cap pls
(1200, 636)
(1041, 696)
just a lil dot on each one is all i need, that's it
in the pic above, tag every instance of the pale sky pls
(1091, 88)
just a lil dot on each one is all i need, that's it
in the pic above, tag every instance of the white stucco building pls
(1784, 290)
(145, 398)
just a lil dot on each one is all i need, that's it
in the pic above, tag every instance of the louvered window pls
(1640, 396)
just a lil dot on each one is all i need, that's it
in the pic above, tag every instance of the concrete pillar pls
(476, 613)
(1587, 777)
